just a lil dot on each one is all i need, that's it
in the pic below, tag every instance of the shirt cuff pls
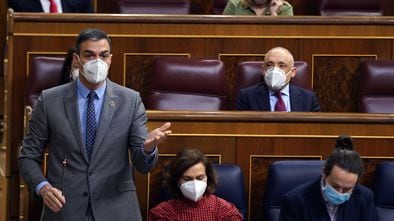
(149, 157)
(39, 186)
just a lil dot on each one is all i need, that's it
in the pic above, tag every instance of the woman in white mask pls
(191, 179)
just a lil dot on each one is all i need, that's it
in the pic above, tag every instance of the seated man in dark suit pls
(275, 93)
(53, 6)
(336, 196)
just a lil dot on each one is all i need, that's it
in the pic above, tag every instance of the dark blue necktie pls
(90, 123)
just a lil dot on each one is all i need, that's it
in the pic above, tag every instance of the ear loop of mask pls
(79, 59)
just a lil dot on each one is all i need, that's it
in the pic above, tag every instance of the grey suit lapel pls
(72, 114)
(109, 106)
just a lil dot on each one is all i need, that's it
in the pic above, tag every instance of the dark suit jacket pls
(305, 203)
(106, 180)
(69, 6)
(256, 98)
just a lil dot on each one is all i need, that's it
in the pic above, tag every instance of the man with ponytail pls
(336, 195)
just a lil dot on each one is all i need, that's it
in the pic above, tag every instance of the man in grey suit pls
(89, 125)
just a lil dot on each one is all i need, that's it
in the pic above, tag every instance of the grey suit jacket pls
(107, 179)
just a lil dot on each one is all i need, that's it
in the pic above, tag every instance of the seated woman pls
(258, 7)
(191, 179)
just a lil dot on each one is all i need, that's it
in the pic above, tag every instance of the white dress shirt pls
(45, 5)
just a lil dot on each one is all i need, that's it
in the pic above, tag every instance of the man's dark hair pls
(182, 162)
(344, 157)
(93, 34)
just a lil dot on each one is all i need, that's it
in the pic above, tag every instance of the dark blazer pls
(305, 203)
(106, 180)
(256, 98)
(69, 6)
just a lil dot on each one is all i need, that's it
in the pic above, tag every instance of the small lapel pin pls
(112, 103)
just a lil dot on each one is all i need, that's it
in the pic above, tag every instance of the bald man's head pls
(280, 52)
(278, 68)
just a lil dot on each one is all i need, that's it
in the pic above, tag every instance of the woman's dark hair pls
(344, 157)
(66, 68)
(182, 162)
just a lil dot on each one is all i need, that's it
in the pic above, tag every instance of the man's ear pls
(262, 72)
(76, 63)
(293, 71)
(110, 60)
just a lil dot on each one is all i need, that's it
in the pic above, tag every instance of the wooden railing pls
(332, 46)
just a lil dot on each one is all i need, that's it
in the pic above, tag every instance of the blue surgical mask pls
(333, 196)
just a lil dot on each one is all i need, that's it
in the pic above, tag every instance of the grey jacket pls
(106, 180)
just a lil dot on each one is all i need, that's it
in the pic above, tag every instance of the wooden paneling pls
(3, 187)
(260, 138)
(3, 161)
(333, 47)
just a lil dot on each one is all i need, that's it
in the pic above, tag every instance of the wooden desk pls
(254, 139)
(333, 47)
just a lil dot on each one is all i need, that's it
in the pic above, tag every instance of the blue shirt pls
(82, 93)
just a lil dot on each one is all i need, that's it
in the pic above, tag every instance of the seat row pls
(283, 176)
(178, 83)
(325, 7)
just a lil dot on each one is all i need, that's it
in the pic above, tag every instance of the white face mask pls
(74, 74)
(95, 71)
(275, 78)
(194, 189)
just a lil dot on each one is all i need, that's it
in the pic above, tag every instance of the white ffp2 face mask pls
(194, 189)
(275, 78)
(95, 71)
